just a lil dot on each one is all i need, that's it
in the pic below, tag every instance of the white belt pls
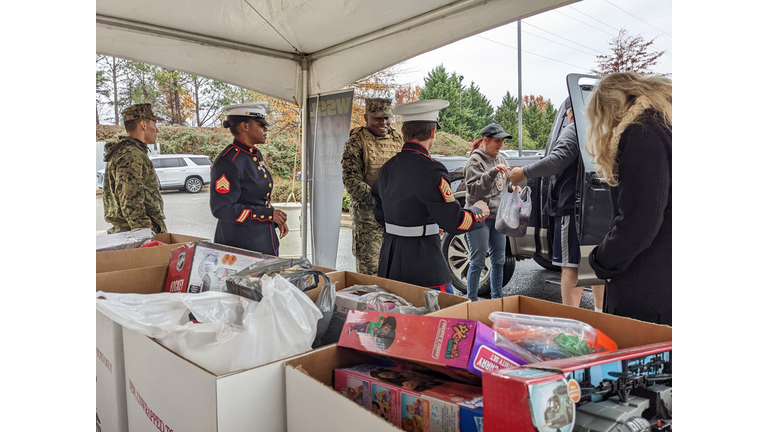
(414, 231)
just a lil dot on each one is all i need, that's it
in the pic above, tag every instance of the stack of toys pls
(550, 338)
(298, 271)
(462, 349)
(417, 401)
(428, 364)
(374, 298)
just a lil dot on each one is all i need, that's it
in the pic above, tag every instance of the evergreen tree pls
(440, 85)
(477, 111)
(506, 116)
(141, 83)
(469, 110)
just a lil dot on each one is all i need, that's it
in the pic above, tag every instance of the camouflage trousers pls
(367, 236)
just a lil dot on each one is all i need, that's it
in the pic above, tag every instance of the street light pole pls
(461, 89)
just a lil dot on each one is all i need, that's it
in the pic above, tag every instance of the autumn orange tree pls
(628, 54)
(538, 116)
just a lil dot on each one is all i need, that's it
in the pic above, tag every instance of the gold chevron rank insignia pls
(445, 190)
(466, 222)
(222, 184)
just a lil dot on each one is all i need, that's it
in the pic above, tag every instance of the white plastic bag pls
(233, 332)
(514, 211)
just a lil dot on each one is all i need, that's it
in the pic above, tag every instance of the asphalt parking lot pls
(189, 214)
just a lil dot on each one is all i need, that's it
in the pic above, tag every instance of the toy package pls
(298, 271)
(203, 266)
(551, 338)
(411, 400)
(627, 390)
(372, 297)
(124, 240)
(462, 349)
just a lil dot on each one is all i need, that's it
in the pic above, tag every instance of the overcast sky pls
(554, 43)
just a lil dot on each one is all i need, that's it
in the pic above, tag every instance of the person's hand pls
(279, 217)
(501, 168)
(283, 230)
(483, 207)
(440, 232)
(516, 175)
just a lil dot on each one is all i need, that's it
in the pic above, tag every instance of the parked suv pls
(177, 171)
(593, 204)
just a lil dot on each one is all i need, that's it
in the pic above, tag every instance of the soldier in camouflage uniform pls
(131, 191)
(365, 152)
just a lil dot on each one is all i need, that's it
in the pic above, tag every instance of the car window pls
(200, 160)
(174, 162)
(157, 163)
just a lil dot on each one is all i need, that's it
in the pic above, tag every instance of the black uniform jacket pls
(413, 190)
(240, 200)
(636, 254)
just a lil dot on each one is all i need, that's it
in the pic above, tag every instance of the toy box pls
(203, 266)
(625, 390)
(414, 401)
(313, 404)
(459, 344)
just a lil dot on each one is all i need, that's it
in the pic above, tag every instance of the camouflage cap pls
(378, 107)
(139, 112)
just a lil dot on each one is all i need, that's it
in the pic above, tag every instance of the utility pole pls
(461, 89)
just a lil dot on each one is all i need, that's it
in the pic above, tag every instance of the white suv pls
(177, 171)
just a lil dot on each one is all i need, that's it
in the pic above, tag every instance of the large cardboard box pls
(110, 359)
(109, 261)
(110, 362)
(168, 391)
(314, 405)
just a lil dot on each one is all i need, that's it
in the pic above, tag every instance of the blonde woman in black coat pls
(630, 136)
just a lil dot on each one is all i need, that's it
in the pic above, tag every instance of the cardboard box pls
(544, 397)
(314, 405)
(164, 389)
(411, 293)
(142, 257)
(402, 395)
(124, 272)
(110, 361)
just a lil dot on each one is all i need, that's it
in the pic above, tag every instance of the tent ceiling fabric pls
(259, 44)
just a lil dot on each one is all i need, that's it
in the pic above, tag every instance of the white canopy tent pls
(291, 49)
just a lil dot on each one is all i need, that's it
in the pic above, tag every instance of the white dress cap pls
(257, 110)
(421, 111)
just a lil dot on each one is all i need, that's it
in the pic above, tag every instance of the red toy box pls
(203, 266)
(629, 389)
(458, 344)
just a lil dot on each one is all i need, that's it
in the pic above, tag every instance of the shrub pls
(345, 201)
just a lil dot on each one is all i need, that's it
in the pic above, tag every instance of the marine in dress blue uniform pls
(241, 189)
(413, 201)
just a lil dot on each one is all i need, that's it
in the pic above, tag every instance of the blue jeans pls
(480, 241)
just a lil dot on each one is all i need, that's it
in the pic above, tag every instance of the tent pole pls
(519, 88)
(304, 95)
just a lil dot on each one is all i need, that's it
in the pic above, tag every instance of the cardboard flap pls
(320, 363)
(146, 280)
